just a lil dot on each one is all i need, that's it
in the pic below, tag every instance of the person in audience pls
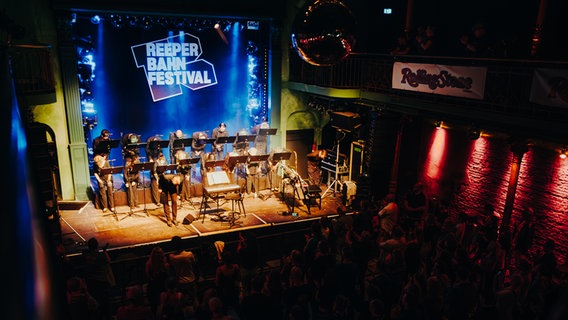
(523, 235)
(184, 267)
(402, 46)
(388, 216)
(415, 207)
(477, 43)
(81, 304)
(228, 280)
(171, 304)
(98, 274)
(157, 271)
(248, 259)
(135, 308)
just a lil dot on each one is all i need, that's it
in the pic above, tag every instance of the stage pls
(146, 225)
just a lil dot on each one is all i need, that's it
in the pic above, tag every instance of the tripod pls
(338, 137)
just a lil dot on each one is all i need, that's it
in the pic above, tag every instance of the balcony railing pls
(507, 88)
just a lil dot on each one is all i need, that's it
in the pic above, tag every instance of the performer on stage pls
(314, 165)
(169, 184)
(129, 145)
(153, 149)
(219, 132)
(241, 147)
(204, 158)
(184, 189)
(274, 172)
(105, 183)
(99, 147)
(155, 177)
(252, 173)
(198, 143)
(131, 181)
(260, 141)
(176, 145)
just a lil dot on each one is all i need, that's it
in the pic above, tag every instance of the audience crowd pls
(387, 259)
(479, 41)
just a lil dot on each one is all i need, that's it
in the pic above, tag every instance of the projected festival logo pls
(174, 62)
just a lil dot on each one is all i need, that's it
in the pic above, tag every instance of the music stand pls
(136, 167)
(144, 166)
(190, 162)
(112, 170)
(158, 144)
(234, 160)
(227, 139)
(267, 131)
(246, 138)
(258, 158)
(207, 140)
(164, 168)
(277, 156)
(214, 163)
(185, 141)
(108, 144)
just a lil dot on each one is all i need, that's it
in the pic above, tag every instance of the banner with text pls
(173, 62)
(467, 82)
(550, 87)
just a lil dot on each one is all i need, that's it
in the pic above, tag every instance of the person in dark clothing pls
(523, 235)
(101, 144)
(168, 186)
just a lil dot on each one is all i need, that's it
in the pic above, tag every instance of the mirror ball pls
(323, 32)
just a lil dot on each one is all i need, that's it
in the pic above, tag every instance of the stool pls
(312, 195)
(238, 199)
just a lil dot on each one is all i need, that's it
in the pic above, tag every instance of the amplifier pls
(341, 169)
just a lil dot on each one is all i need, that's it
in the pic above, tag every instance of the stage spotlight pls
(438, 124)
(563, 153)
(117, 21)
(217, 27)
(95, 19)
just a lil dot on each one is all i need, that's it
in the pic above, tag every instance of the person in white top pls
(388, 216)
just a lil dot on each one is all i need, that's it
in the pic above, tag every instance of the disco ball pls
(323, 32)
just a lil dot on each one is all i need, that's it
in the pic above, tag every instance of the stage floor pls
(146, 224)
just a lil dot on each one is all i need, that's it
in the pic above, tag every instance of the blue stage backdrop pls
(154, 77)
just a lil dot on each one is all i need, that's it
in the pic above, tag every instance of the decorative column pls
(519, 148)
(77, 146)
(393, 184)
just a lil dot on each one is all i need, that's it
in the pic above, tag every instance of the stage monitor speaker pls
(188, 219)
(348, 121)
